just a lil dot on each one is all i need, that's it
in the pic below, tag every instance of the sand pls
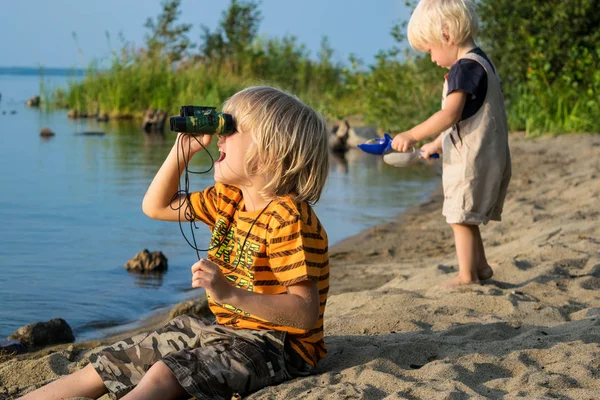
(531, 332)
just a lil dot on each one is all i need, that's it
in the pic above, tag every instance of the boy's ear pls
(446, 37)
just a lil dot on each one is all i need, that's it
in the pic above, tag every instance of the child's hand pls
(207, 275)
(192, 143)
(403, 142)
(430, 148)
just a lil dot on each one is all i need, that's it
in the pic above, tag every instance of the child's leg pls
(467, 250)
(158, 383)
(84, 383)
(484, 271)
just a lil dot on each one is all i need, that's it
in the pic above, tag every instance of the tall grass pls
(553, 109)
(136, 81)
(129, 87)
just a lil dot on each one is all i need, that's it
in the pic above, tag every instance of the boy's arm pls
(159, 201)
(299, 308)
(434, 125)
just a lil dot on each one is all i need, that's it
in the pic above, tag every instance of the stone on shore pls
(154, 121)
(38, 334)
(198, 307)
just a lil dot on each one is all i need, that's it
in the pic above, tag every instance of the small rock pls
(46, 132)
(69, 353)
(102, 117)
(33, 102)
(154, 121)
(197, 306)
(38, 334)
(90, 133)
(74, 114)
(144, 261)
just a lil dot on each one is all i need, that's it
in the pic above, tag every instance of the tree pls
(233, 37)
(166, 37)
(544, 41)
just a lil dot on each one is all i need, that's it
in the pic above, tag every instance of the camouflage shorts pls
(210, 361)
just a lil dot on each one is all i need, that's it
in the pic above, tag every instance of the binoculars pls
(202, 120)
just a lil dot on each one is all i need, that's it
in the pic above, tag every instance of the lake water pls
(70, 214)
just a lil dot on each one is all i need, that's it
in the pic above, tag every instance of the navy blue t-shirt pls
(469, 76)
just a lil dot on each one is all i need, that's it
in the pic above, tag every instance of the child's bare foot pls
(459, 281)
(485, 272)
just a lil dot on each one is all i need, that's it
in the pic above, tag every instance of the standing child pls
(267, 272)
(471, 129)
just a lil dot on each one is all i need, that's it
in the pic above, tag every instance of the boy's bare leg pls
(484, 271)
(84, 383)
(467, 249)
(158, 383)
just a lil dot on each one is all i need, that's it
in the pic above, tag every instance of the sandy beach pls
(531, 332)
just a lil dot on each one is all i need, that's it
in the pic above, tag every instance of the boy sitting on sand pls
(471, 129)
(267, 272)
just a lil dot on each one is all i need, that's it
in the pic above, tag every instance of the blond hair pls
(290, 142)
(434, 18)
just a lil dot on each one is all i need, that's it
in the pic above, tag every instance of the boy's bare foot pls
(459, 281)
(485, 272)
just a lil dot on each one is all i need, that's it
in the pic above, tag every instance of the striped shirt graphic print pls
(286, 245)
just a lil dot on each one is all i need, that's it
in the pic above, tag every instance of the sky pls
(40, 32)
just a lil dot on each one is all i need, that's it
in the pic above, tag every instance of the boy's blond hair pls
(290, 142)
(434, 18)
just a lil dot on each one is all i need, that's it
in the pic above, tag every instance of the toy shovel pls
(383, 146)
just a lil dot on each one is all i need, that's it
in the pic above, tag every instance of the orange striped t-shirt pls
(284, 245)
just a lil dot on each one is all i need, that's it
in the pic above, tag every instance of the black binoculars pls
(202, 120)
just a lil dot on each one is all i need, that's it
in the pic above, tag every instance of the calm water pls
(70, 215)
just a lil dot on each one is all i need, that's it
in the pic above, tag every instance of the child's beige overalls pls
(476, 158)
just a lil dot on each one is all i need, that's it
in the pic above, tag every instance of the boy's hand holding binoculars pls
(192, 143)
(197, 125)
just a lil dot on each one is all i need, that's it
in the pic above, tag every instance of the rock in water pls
(33, 102)
(154, 121)
(46, 132)
(144, 261)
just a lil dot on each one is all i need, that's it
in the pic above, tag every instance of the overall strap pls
(487, 65)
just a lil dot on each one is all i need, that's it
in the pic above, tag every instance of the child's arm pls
(158, 202)
(434, 125)
(299, 308)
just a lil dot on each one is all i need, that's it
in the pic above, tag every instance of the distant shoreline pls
(44, 71)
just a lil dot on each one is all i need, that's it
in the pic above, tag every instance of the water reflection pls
(339, 164)
(148, 280)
